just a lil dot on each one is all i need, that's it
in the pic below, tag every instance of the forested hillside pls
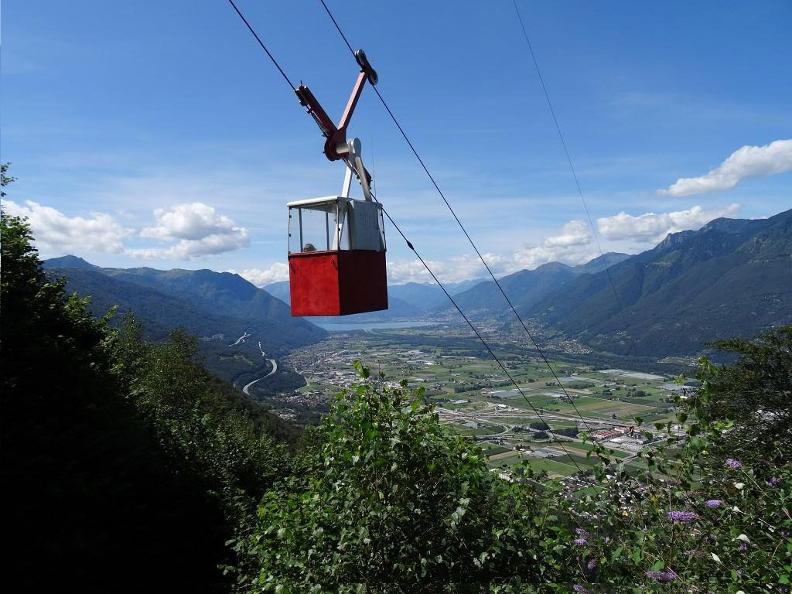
(125, 465)
(731, 277)
(217, 308)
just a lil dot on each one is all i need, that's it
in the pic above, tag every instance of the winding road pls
(274, 364)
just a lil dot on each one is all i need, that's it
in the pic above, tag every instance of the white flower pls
(739, 486)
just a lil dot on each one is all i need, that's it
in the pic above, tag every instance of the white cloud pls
(653, 227)
(571, 246)
(265, 276)
(199, 229)
(57, 233)
(452, 270)
(747, 161)
(531, 257)
(409, 271)
(190, 221)
(573, 233)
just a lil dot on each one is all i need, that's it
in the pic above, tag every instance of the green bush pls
(385, 499)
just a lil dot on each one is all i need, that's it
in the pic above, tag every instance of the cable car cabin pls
(336, 257)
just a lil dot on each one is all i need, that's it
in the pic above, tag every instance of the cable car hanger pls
(336, 144)
(337, 246)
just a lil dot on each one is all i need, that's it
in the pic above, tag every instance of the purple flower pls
(681, 516)
(743, 547)
(580, 542)
(774, 481)
(592, 564)
(713, 503)
(733, 464)
(580, 589)
(581, 532)
(669, 575)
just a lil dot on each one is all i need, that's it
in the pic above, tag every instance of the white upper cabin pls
(334, 223)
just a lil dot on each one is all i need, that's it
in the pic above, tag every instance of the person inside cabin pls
(309, 247)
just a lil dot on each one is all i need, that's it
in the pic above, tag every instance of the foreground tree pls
(125, 466)
(750, 401)
(388, 500)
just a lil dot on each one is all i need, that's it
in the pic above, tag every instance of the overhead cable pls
(481, 338)
(263, 46)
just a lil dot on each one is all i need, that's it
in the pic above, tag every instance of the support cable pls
(530, 335)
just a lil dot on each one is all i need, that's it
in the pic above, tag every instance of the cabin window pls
(336, 225)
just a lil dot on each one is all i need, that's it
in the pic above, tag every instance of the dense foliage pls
(752, 400)
(125, 466)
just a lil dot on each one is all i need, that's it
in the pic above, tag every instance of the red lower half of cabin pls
(337, 283)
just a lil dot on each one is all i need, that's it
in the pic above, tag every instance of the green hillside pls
(730, 278)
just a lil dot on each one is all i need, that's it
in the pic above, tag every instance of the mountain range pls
(732, 277)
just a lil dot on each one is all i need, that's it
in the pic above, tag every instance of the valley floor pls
(617, 407)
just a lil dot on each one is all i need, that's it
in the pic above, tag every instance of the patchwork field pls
(540, 422)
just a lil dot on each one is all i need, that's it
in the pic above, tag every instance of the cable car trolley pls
(337, 243)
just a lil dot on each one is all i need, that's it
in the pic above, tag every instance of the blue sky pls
(158, 134)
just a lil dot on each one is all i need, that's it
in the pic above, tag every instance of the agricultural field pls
(539, 423)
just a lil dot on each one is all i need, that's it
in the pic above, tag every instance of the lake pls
(367, 326)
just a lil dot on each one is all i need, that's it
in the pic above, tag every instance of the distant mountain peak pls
(553, 266)
(69, 261)
(727, 225)
(602, 262)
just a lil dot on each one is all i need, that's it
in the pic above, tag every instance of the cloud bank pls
(653, 227)
(747, 161)
(192, 229)
(572, 245)
(260, 277)
(198, 229)
(56, 232)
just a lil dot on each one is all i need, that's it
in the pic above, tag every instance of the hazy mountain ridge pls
(527, 287)
(405, 301)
